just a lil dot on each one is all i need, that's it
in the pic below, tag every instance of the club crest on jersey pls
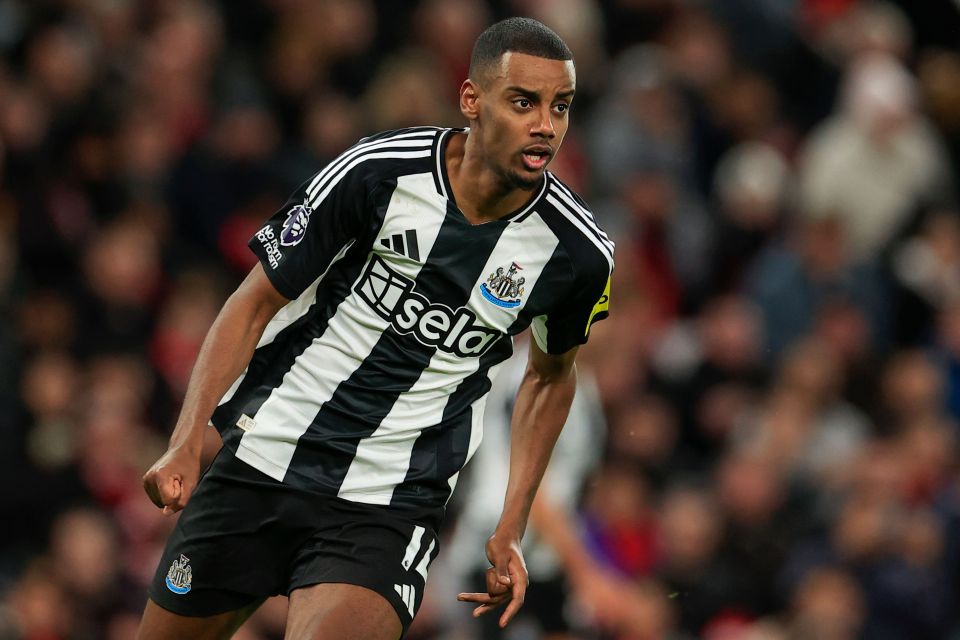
(504, 289)
(295, 225)
(180, 575)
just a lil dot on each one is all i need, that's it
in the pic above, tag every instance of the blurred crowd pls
(780, 373)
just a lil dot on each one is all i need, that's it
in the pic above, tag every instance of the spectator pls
(875, 162)
(750, 190)
(828, 604)
(721, 381)
(707, 587)
(793, 282)
(948, 355)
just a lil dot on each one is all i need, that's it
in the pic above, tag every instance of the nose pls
(543, 127)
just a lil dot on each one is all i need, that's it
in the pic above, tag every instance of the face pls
(519, 113)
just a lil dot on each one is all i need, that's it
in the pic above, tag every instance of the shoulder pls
(408, 133)
(571, 219)
(385, 155)
(412, 144)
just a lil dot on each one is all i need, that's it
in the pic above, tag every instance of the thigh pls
(159, 624)
(336, 611)
(371, 549)
(231, 547)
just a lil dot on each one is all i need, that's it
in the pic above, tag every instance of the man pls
(346, 375)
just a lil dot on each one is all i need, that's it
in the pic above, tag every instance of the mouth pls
(536, 158)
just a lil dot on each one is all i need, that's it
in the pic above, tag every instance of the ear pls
(470, 100)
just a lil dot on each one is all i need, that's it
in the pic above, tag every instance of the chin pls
(526, 181)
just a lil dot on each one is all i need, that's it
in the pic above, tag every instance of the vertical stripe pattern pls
(340, 434)
(294, 404)
(371, 384)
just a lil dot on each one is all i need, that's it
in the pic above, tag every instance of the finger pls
(493, 583)
(482, 598)
(169, 489)
(163, 492)
(519, 593)
(152, 491)
(174, 487)
(482, 609)
(471, 597)
(510, 611)
(502, 567)
(180, 501)
(186, 490)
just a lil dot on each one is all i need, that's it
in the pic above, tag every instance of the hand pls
(507, 579)
(172, 479)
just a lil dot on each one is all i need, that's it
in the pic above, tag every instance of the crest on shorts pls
(295, 226)
(180, 575)
(503, 288)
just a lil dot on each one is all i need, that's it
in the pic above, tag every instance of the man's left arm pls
(543, 402)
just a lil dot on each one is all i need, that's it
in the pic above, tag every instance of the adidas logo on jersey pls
(404, 244)
(392, 296)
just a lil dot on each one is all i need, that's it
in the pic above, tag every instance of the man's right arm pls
(225, 353)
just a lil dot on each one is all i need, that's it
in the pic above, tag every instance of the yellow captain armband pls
(601, 308)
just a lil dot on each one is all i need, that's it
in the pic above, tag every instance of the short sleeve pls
(315, 227)
(569, 324)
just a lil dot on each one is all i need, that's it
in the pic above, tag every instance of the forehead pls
(533, 72)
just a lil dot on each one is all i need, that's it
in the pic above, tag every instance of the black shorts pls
(244, 537)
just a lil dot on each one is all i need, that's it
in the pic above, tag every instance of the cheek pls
(497, 127)
(504, 135)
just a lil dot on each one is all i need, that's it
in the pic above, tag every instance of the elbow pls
(553, 375)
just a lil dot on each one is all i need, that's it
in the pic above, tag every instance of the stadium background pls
(781, 370)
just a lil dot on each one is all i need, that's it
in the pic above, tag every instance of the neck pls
(481, 194)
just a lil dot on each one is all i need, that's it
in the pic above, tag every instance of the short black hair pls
(519, 35)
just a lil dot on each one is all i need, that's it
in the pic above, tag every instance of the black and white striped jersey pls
(369, 385)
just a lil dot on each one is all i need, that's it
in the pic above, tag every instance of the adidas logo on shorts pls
(408, 594)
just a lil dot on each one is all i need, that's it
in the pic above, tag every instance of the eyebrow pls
(533, 95)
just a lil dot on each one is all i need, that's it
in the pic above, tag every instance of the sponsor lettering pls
(393, 297)
(271, 245)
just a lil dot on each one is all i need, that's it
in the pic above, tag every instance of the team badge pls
(504, 289)
(295, 225)
(180, 575)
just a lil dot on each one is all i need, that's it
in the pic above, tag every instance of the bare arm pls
(543, 402)
(226, 351)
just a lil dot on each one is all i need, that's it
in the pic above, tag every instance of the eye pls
(561, 107)
(523, 103)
